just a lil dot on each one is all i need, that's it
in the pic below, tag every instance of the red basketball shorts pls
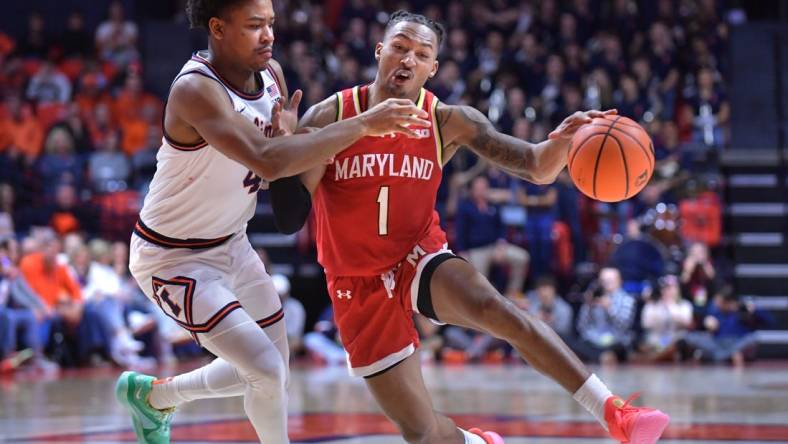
(374, 314)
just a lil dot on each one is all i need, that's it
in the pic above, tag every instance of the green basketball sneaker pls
(152, 426)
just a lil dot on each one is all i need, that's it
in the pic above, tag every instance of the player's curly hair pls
(405, 16)
(200, 11)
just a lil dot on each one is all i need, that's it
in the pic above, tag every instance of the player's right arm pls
(202, 104)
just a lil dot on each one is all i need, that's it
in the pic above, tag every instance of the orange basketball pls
(611, 158)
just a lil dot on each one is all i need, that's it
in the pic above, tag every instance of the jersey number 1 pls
(383, 211)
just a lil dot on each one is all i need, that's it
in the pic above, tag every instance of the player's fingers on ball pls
(610, 112)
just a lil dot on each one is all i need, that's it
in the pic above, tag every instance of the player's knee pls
(417, 435)
(268, 372)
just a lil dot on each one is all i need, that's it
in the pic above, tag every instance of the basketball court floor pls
(707, 404)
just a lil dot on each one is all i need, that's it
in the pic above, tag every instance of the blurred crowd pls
(632, 280)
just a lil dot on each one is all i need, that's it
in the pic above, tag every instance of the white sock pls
(218, 379)
(472, 438)
(592, 395)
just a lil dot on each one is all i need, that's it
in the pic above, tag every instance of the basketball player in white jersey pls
(189, 251)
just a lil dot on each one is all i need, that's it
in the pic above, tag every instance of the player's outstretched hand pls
(571, 124)
(395, 116)
(284, 119)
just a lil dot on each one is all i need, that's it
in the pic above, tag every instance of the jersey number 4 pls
(383, 211)
(252, 181)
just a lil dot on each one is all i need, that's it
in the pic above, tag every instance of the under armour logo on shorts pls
(343, 294)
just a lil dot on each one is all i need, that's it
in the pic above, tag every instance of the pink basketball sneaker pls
(488, 437)
(634, 425)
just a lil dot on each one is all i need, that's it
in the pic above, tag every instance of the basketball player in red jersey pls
(385, 255)
(189, 252)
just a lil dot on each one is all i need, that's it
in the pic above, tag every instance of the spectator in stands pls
(20, 132)
(666, 318)
(323, 341)
(108, 168)
(599, 90)
(540, 203)
(61, 294)
(639, 258)
(546, 304)
(665, 67)
(670, 158)
(480, 237)
(144, 161)
(116, 37)
(90, 94)
(67, 214)
(36, 42)
(730, 324)
(49, 85)
(568, 203)
(630, 100)
(102, 290)
(20, 310)
(295, 315)
(7, 200)
(515, 109)
(60, 163)
(100, 124)
(132, 101)
(75, 40)
(698, 274)
(708, 105)
(605, 320)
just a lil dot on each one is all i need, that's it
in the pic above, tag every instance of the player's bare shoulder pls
(321, 114)
(193, 98)
(458, 125)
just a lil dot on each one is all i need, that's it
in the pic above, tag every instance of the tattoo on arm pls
(510, 153)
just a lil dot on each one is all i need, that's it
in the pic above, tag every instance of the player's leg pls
(258, 297)
(401, 393)
(460, 295)
(375, 323)
(248, 363)
(198, 298)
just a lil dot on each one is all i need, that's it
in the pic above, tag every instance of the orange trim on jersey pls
(141, 230)
(273, 319)
(215, 319)
(254, 96)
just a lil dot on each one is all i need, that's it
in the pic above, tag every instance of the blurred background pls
(692, 270)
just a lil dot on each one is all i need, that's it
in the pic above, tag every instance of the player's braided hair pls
(200, 11)
(405, 16)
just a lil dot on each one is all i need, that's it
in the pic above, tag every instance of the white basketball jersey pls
(198, 193)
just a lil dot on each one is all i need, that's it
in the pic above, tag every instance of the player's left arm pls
(539, 163)
(290, 199)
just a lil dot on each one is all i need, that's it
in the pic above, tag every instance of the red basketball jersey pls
(376, 201)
